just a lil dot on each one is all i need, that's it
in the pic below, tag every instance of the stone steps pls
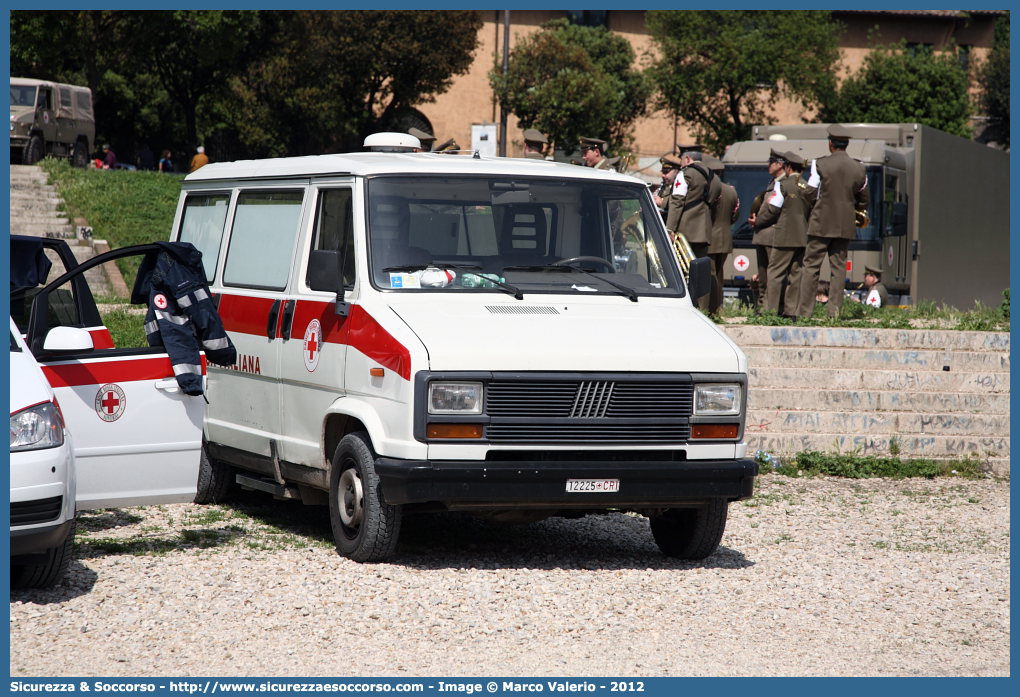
(35, 211)
(850, 379)
(820, 399)
(878, 392)
(877, 422)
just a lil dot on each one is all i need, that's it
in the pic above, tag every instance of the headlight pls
(455, 398)
(37, 427)
(716, 400)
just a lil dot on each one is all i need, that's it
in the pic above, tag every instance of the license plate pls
(593, 486)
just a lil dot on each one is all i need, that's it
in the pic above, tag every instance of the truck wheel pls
(690, 533)
(365, 528)
(79, 158)
(48, 574)
(215, 480)
(33, 151)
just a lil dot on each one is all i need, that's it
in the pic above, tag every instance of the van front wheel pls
(365, 528)
(690, 533)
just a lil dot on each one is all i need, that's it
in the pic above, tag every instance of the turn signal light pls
(455, 431)
(376, 372)
(714, 431)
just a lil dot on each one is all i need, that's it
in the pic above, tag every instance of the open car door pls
(137, 437)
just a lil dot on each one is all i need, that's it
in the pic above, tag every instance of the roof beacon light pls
(392, 142)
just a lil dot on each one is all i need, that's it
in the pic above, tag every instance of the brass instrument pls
(684, 253)
(861, 219)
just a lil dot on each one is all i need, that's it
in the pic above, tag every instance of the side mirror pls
(68, 340)
(323, 270)
(699, 278)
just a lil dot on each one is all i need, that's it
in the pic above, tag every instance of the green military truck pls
(939, 211)
(48, 118)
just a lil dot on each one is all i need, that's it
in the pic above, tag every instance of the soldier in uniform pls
(534, 143)
(671, 166)
(593, 152)
(877, 295)
(427, 139)
(787, 209)
(690, 211)
(838, 186)
(725, 210)
(763, 234)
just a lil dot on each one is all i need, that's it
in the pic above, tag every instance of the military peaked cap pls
(594, 143)
(533, 135)
(794, 159)
(837, 132)
(776, 155)
(714, 163)
(671, 161)
(450, 144)
(872, 270)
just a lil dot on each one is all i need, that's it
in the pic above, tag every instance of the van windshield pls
(23, 95)
(540, 235)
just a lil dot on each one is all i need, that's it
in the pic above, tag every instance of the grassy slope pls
(123, 207)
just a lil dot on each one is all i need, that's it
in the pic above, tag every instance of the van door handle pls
(168, 385)
(274, 316)
(288, 318)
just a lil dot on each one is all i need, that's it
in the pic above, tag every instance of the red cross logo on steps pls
(313, 344)
(110, 402)
(740, 263)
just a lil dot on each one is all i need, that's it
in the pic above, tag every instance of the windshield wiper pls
(629, 292)
(466, 268)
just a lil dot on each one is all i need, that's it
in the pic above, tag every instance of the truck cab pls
(49, 118)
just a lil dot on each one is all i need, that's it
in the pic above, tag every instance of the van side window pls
(202, 225)
(84, 104)
(65, 98)
(262, 239)
(334, 218)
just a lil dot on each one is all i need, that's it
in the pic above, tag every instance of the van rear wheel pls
(365, 528)
(79, 158)
(215, 480)
(691, 533)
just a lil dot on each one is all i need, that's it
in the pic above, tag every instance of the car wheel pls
(365, 528)
(215, 480)
(33, 151)
(48, 574)
(690, 533)
(79, 158)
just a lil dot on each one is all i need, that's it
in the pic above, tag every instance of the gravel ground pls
(818, 576)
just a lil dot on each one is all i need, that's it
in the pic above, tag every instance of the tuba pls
(684, 253)
(861, 218)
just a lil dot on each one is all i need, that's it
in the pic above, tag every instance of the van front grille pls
(38, 511)
(601, 432)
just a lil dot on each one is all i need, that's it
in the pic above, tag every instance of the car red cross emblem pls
(312, 345)
(110, 402)
(741, 262)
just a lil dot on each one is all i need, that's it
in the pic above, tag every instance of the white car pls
(136, 437)
(42, 475)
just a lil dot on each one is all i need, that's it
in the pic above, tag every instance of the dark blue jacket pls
(181, 314)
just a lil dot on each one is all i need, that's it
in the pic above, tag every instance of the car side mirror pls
(68, 340)
(699, 279)
(323, 266)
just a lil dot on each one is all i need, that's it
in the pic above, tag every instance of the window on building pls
(589, 18)
(963, 56)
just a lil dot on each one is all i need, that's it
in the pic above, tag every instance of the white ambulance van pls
(511, 337)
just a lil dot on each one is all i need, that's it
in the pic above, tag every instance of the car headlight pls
(37, 427)
(716, 400)
(455, 398)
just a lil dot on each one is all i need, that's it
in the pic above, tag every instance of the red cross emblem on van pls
(312, 345)
(110, 402)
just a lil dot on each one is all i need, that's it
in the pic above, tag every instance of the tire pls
(691, 533)
(365, 528)
(79, 158)
(33, 151)
(215, 480)
(48, 574)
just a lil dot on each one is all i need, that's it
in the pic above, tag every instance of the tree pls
(721, 71)
(570, 81)
(900, 83)
(322, 81)
(993, 77)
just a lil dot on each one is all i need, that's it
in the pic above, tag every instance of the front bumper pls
(39, 540)
(481, 484)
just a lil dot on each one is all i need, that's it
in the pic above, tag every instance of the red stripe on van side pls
(245, 314)
(378, 344)
(335, 330)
